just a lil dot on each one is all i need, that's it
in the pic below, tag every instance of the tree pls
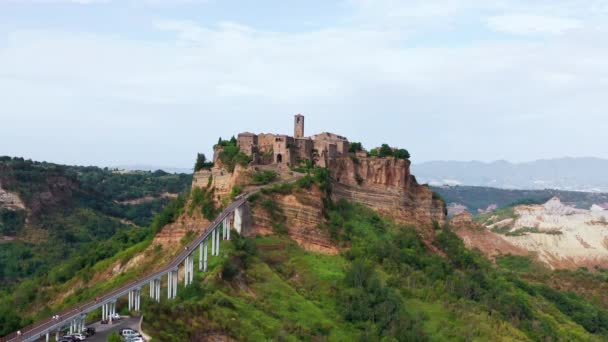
(402, 154)
(385, 151)
(355, 147)
(201, 160)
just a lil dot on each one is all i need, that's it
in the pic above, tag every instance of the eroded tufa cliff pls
(298, 214)
(386, 185)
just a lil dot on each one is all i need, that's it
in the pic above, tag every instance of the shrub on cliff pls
(202, 163)
(264, 177)
(386, 151)
(355, 147)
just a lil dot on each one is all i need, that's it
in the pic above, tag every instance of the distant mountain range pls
(142, 167)
(574, 174)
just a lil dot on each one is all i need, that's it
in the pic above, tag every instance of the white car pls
(127, 334)
(135, 339)
(116, 317)
(79, 337)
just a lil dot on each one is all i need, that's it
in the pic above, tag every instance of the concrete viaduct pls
(74, 318)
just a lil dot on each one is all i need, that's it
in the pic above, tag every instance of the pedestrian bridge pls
(74, 318)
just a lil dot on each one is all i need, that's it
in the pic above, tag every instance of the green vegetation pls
(204, 198)
(264, 177)
(236, 190)
(480, 198)
(386, 151)
(202, 163)
(355, 147)
(525, 230)
(73, 223)
(114, 337)
(387, 285)
(11, 221)
(231, 155)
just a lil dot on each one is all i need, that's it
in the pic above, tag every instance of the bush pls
(355, 147)
(201, 163)
(231, 155)
(264, 177)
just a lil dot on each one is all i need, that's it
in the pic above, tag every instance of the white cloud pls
(484, 100)
(532, 24)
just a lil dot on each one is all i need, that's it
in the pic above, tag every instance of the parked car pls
(134, 339)
(79, 336)
(89, 331)
(69, 338)
(130, 334)
(116, 317)
(127, 331)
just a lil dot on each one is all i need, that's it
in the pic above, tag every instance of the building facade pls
(266, 149)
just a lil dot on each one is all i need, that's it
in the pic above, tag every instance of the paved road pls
(103, 331)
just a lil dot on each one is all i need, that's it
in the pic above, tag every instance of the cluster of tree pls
(231, 155)
(355, 147)
(386, 151)
(202, 163)
(11, 221)
(463, 275)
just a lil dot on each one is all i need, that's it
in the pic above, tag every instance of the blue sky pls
(111, 82)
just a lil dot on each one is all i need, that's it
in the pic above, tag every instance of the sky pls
(123, 82)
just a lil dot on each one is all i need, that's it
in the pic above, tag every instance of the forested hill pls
(50, 214)
(479, 198)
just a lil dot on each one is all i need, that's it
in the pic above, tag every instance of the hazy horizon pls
(106, 82)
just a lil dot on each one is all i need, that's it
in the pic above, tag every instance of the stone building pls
(266, 149)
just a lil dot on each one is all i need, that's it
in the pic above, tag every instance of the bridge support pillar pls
(238, 219)
(47, 337)
(130, 300)
(175, 279)
(186, 266)
(157, 287)
(213, 242)
(205, 243)
(200, 256)
(227, 228)
(191, 268)
(57, 335)
(170, 284)
(138, 300)
(217, 248)
(224, 228)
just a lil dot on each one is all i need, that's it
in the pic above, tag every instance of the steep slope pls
(386, 285)
(386, 185)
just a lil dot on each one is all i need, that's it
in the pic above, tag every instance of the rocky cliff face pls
(10, 200)
(300, 213)
(386, 185)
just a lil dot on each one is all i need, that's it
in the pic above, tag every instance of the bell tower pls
(298, 126)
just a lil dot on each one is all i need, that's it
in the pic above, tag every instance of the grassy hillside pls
(387, 286)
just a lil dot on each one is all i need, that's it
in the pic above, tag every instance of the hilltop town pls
(280, 149)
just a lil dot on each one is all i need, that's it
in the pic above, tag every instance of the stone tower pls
(298, 126)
